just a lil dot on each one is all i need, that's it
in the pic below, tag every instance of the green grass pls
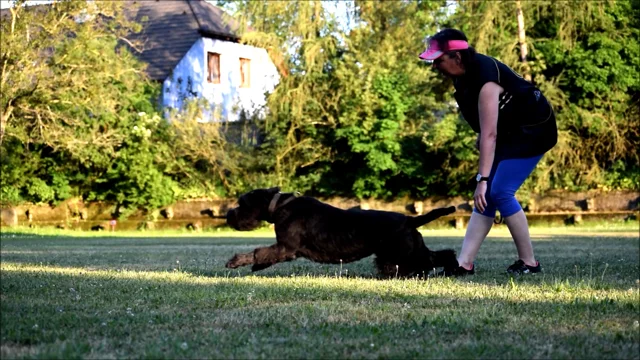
(138, 295)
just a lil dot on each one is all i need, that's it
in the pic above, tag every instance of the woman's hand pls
(479, 199)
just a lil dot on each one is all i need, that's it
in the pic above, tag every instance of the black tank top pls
(526, 122)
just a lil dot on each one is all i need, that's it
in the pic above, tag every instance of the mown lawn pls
(78, 295)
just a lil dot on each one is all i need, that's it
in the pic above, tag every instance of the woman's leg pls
(477, 230)
(479, 226)
(519, 229)
(510, 175)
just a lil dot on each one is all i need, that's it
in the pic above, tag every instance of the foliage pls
(603, 92)
(585, 57)
(302, 41)
(387, 127)
(203, 160)
(355, 113)
(70, 102)
(340, 115)
(136, 177)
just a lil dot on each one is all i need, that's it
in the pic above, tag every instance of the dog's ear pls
(274, 190)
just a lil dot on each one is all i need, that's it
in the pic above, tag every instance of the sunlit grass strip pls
(22, 231)
(553, 290)
(621, 229)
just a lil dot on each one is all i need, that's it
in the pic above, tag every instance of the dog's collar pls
(274, 202)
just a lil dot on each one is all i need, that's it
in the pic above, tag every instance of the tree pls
(585, 58)
(71, 94)
(303, 42)
(390, 101)
(350, 102)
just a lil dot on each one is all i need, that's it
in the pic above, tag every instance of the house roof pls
(173, 27)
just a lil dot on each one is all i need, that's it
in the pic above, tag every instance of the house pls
(193, 49)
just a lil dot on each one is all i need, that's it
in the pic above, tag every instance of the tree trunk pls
(521, 40)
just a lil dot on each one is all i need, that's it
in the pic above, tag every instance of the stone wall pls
(196, 214)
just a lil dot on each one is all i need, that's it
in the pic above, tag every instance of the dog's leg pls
(416, 263)
(240, 260)
(386, 269)
(444, 258)
(389, 269)
(267, 256)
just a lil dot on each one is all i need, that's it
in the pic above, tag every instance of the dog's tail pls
(417, 221)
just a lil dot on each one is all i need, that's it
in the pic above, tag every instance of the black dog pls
(308, 228)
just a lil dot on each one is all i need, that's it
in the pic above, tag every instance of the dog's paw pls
(240, 260)
(233, 263)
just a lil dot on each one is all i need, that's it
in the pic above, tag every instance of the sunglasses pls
(439, 60)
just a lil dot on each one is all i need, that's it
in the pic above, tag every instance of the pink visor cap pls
(433, 51)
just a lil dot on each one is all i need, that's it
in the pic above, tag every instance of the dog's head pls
(253, 208)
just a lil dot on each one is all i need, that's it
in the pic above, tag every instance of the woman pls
(515, 126)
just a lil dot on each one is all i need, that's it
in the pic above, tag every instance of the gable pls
(172, 27)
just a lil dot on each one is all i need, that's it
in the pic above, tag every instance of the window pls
(213, 61)
(245, 73)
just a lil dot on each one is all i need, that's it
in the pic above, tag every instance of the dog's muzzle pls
(241, 220)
